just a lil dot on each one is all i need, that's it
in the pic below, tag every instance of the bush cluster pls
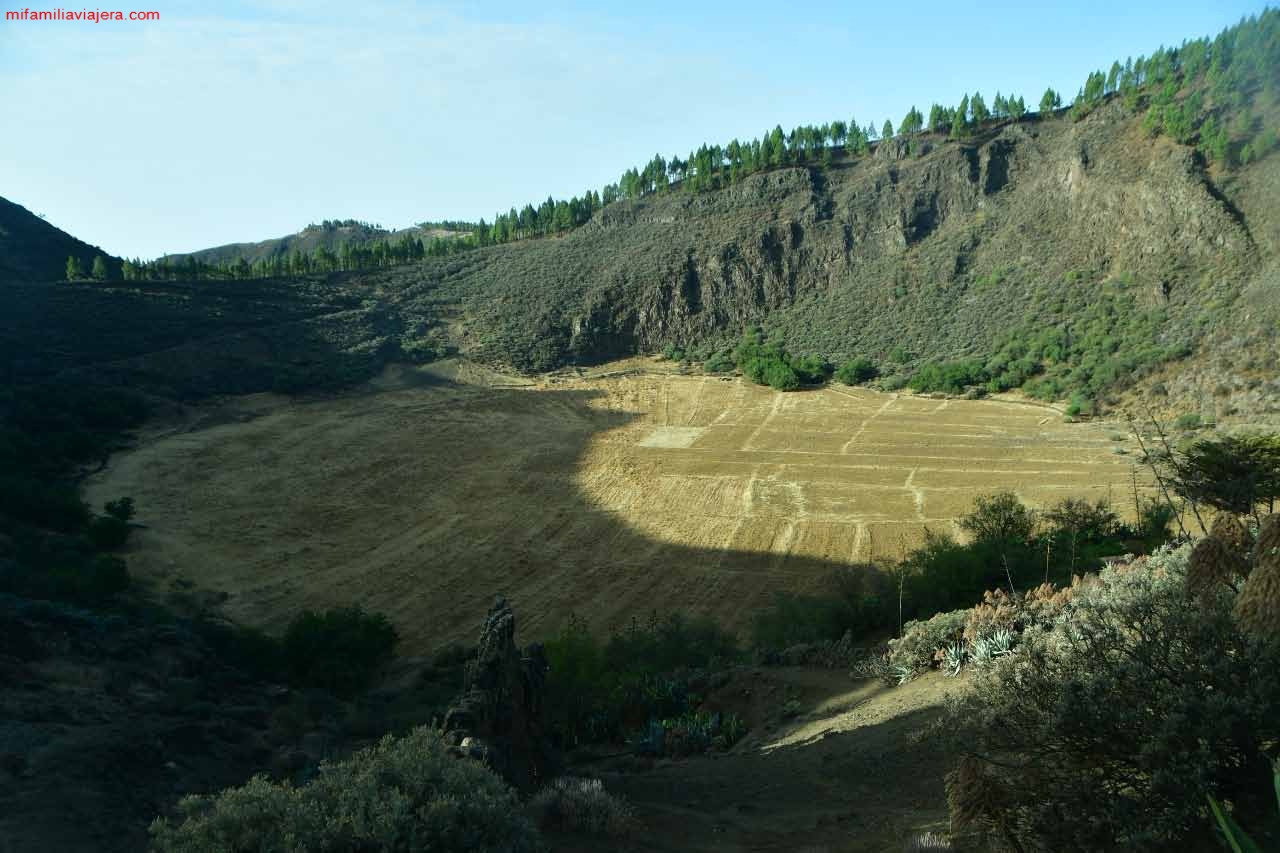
(403, 794)
(857, 371)
(607, 692)
(858, 600)
(1116, 716)
(950, 377)
(340, 650)
(766, 362)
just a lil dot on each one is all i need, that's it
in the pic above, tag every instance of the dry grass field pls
(610, 493)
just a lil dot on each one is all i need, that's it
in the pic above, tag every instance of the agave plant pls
(1237, 839)
(992, 646)
(903, 673)
(953, 658)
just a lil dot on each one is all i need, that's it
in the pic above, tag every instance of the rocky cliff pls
(938, 246)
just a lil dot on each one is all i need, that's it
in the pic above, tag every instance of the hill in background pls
(33, 250)
(330, 235)
(1082, 255)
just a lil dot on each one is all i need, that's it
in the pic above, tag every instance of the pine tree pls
(99, 268)
(960, 119)
(839, 132)
(979, 108)
(1113, 77)
(938, 120)
(912, 123)
(887, 133)
(1050, 101)
(75, 268)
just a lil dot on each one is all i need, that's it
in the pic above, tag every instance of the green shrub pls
(1080, 405)
(671, 352)
(857, 371)
(811, 369)
(857, 599)
(720, 362)
(403, 794)
(603, 692)
(921, 641)
(780, 375)
(943, 574)
(767, 363)
(89, 582)
(951, 377)
(1190, 420)
(1110, 727)
(33, 500)
(999, 519)
(340, 650)
(892, 382)
(247, 649)
(1236, 473)
(107, 532)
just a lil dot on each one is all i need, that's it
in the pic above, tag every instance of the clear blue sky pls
(226, 122)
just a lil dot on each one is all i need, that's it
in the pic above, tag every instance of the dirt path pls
(857, 772)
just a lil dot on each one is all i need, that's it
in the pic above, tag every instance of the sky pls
(240, 121)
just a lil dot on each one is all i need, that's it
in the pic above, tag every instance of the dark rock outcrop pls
(498, 716)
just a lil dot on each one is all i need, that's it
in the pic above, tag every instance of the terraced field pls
(609, 494)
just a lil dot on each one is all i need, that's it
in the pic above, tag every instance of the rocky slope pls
(942, 250)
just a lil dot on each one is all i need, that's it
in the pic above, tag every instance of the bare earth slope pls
(854, 770)
(609, 496)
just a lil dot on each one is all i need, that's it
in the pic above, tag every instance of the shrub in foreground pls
(403, 794)
(1111, 726)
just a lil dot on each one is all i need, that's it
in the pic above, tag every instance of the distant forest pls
(1198, 93)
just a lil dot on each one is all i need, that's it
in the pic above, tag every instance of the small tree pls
(75, 268)
(1081, 520)
(960, 120)
(99, 268)
(1050, 101)
(887, 132)
(979, 107)
(1000, 520)
(912, 123)
(1233, 473)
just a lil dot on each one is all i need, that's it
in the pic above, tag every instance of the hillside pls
(329, 235)
(33, 250)
(1128, 245)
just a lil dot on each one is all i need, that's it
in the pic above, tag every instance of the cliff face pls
(938, 246)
